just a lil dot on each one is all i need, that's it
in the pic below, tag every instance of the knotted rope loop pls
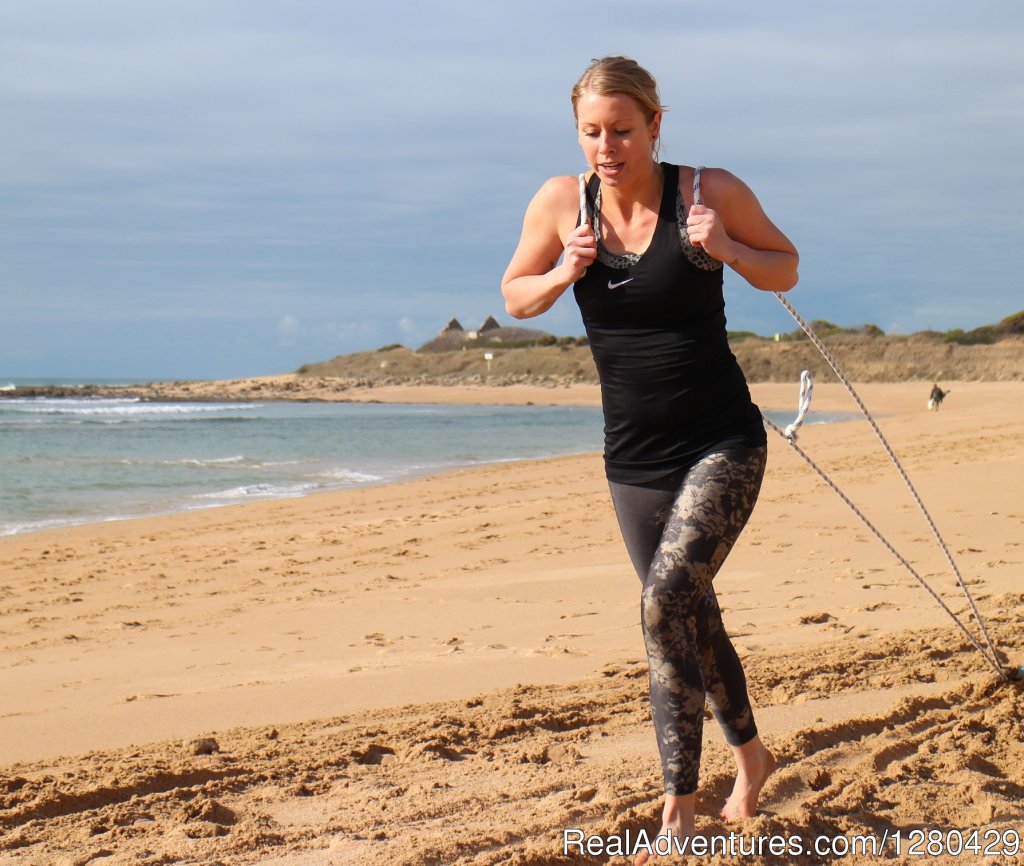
(806, 392)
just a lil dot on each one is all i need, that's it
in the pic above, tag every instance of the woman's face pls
(616, 138)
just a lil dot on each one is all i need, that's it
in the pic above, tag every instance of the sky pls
(224, 188)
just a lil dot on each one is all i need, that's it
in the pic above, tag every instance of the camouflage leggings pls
(678, 531)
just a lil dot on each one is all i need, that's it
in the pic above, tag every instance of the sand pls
(450, 670)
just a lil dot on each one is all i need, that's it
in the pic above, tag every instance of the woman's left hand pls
(705, 229)
(738, 233)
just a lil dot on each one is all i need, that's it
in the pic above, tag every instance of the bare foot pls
(677, 824)
(754, 764)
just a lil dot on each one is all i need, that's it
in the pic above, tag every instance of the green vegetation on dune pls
(500, 356)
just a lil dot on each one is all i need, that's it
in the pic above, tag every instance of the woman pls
(685, 446)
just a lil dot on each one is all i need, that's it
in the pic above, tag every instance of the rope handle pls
(584, 212)
(806, 392)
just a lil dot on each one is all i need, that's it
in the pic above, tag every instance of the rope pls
(584, 211)
(824, 477)
(806, 391)
(790, 435)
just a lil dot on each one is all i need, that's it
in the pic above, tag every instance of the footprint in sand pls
(453, 645)
(816, 619)
(555, 651)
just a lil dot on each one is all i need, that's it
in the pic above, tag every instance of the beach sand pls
(451, 671)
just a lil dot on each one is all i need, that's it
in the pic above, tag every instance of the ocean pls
(67, 461)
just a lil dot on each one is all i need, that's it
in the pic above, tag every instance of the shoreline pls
(410, 476)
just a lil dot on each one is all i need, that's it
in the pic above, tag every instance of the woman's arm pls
(734, 229)
(534, 279)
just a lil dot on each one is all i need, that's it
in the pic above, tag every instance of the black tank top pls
(671, 389)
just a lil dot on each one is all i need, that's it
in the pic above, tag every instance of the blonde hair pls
(616, 74)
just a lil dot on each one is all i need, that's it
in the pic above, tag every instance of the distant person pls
(935, 398)
(685, 446)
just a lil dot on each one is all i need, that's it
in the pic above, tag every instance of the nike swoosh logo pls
(612, 285)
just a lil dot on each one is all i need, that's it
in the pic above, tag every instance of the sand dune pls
(450, 671)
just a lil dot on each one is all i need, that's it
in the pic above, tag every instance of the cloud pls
(289, 331)
(238, 164)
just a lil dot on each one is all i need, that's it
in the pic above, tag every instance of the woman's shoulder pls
(557, 199)
(717, 184)
(712, 176)
(563, 187)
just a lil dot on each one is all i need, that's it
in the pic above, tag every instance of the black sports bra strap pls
(669, 193)
(593, 185)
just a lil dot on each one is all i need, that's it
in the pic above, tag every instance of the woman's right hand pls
(580, 251)
(534, 278)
